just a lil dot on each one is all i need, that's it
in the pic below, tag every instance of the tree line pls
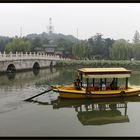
(96, 47)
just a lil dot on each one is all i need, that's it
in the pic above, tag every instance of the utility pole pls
(77, 33)
(77, 36)
(20, 32)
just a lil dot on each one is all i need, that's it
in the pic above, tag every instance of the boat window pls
(121, 81)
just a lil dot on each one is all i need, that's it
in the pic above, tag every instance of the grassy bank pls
(99, 63)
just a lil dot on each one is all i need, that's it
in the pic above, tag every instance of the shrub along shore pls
(99, 63)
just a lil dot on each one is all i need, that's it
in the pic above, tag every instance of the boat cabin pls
(107, 78)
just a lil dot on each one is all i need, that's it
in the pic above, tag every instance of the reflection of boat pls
(96, 111)
(98, 84)
(99, 114)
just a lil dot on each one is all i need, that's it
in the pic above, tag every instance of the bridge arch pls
(11, 68)
(36, 66)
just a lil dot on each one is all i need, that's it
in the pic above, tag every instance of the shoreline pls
(99, 63)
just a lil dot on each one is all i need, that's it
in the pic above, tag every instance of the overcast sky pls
(112, 20)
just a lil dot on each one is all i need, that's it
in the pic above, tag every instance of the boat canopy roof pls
(105, 72)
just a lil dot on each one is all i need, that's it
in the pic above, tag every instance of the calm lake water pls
(49, 115)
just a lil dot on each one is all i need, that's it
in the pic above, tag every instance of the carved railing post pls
(4, 54)
(34, 55)
(10, 54)
(30, 55)
(21, 55)
(26, 55)
(0, 55)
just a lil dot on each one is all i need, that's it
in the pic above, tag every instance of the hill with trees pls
(95, 47)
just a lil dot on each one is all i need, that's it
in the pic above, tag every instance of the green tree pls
(108, 45)
(99, 46)
(36, 44)
(80, 50)
(136, 38)
(136, 46)
(76, 51)
(65, 45)
(119, 50)
(18, 45)
(130, 51)
(3, 42)
(136, 51)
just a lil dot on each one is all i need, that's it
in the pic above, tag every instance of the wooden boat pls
(99, 83)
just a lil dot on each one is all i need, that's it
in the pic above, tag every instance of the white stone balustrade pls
(26, 56)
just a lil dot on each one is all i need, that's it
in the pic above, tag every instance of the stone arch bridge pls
(19, 61)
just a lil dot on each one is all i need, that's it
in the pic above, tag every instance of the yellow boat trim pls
(105, 92)
(70, 92)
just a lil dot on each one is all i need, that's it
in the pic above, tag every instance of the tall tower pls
(50, 27)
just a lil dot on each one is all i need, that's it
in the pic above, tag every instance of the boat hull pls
(71, 93)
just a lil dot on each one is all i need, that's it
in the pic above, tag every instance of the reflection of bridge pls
(20, 61)
(24, 79)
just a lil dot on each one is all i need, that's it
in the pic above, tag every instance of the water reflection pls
(51, 76)
(11, 75)
(96, 112)
(29, 78)
(36, 71)
(135, 78)
(99, 114)
(90, 112)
